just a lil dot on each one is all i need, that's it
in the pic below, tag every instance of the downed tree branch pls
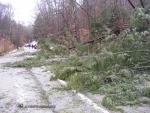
(147, 62)
(35, 106)
(88, 42)
(133, 51)
(142, 68)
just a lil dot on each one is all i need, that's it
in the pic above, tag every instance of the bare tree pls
(131, 4)
(142, 3)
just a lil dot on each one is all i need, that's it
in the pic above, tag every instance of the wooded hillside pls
(83, 19)
(12, 34)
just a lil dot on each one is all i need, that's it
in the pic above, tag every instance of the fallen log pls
(36, 106)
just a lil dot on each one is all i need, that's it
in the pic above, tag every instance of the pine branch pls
(142, 67)
(147, 51)
(146, 62)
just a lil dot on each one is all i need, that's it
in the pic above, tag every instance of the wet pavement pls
(18, 88)
(65, 101)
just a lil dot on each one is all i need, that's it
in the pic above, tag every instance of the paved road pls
(17, 86)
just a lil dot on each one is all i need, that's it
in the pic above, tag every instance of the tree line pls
(12, 34)
(81, 18)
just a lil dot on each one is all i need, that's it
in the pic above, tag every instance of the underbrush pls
(107, 74)
(120, 70)
(49, 50)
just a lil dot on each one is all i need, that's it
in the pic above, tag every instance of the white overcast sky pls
(24, 10)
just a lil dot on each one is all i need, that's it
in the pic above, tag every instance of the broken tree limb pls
(35, 106)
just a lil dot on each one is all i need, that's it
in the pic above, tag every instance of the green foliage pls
(84, 80)
(99, 27)
(109, 22)
(140, 19)
(110, 104)
(80, 49)
(69, 36)
(27, 63)
(50, 47)
(44, 45)
(60, 50)
(147, 92)
(116, 69)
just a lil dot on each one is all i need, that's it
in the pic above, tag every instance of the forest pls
(12, 34)
(83, 19)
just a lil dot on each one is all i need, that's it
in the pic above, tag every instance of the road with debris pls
(31, 91)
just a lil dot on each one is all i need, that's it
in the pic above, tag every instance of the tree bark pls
(131, 4)
(142, 3)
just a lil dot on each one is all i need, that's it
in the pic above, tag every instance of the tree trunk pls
(131, 4)
(142, 3)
